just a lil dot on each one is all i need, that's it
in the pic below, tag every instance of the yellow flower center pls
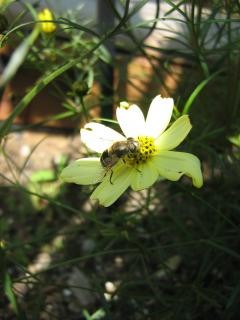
(146, 150)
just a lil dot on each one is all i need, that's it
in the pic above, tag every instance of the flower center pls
(145, 151)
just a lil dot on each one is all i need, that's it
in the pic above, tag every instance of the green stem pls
(18, 57)
(45, 80)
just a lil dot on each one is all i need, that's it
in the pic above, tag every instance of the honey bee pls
(118, 150)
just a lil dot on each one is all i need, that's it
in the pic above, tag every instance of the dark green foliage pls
(172, 252)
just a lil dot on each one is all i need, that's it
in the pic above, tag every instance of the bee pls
(118, 150)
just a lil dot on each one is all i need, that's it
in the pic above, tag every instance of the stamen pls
(146, 151)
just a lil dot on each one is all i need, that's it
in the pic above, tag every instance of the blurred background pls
(169, 252)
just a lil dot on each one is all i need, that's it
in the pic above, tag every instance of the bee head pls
(133, 145)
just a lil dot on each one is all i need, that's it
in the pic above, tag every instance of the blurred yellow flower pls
(2, 244)
(140, 157)
(47, 27)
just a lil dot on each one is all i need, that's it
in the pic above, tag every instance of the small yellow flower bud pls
(80, 87)
(2, 244)
(47, 27)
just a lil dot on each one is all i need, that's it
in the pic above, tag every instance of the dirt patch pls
(34, 151)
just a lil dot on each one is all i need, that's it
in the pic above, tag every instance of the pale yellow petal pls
(98, 137)
(144, 176)
(159, 115)
(131, 121)
(113, 185)
(174, 135)
(172, 165)
(83, 171)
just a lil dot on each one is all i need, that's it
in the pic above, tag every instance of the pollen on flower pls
(146, 150)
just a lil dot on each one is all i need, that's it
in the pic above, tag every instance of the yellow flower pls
(151, 154)
(47, 27)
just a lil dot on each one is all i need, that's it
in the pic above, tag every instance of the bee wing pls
(98, 137)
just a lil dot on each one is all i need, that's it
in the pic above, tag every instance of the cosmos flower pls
(139, 169)
(46, 27)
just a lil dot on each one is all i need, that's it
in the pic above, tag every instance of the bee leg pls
(138, 170)
(111, 174)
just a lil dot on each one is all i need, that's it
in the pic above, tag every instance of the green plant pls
(168, 252)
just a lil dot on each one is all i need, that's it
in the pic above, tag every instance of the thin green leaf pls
(137, 7)
(73, 25)
(234, 296)
(222, 248)
(10, 294)
(43, 176)
(18, 57)
(40, 85)
(196, 92)
(175, 7)
(18, 27)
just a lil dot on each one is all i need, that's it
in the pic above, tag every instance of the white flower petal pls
(131, 121)
(113, 185)
(144, 176)
(172, 165)
(98, 137)
(83, 171)
(159, 115)
(174, 135)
